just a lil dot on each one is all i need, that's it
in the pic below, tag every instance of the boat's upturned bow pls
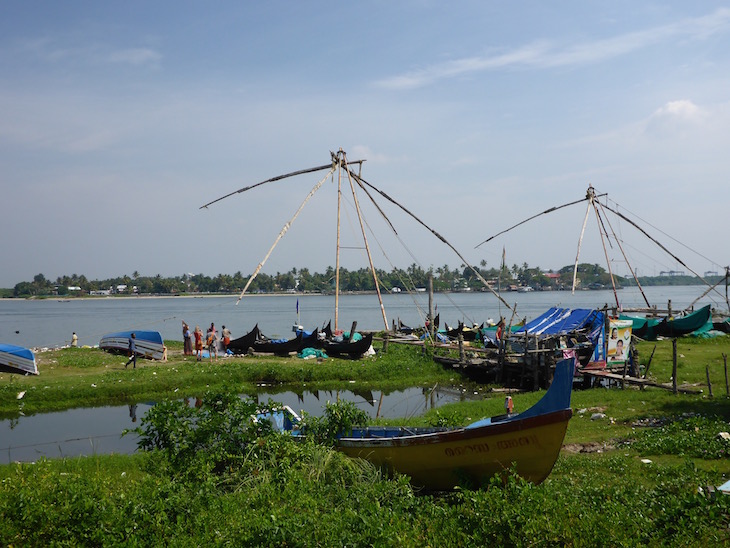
(441, 459)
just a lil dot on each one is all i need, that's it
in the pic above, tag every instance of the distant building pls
(74, 288)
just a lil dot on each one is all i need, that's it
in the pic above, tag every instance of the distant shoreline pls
(69, 298)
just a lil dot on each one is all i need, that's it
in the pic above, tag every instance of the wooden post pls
(352, 331)
(709, 384)
(526, 360)
(727, 388)
(386, 337)
(674, 366)
(648, 365)
(462, 354)
(430, 305)
(536, 366)
(501, 345)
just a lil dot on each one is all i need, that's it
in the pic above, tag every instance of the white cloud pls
(135, 56)
(676, 119)
(547, 55)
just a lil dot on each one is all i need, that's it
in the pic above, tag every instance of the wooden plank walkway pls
(602, 374)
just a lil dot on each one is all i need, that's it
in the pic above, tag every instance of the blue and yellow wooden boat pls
(438, 458)
(443, 458)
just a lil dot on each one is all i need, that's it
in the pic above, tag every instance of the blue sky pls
(119, 120)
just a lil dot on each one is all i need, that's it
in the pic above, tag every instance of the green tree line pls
(445, 278)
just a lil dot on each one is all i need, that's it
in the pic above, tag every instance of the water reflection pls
(90, 431)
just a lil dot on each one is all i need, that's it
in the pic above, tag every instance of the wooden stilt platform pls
(637, 381)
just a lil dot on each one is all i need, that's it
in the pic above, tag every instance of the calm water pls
(49, 323)
(99, 430)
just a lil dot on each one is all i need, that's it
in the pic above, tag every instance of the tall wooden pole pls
(337, 258)
(605, 253)
(430, 305)
(674, 366)
(367, 248)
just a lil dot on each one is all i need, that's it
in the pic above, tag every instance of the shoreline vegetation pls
(302, 281)
(638, 467)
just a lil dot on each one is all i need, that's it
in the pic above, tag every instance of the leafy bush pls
(338, 418)
(214, 437)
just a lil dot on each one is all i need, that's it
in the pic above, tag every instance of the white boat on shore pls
(148, 343)
(18, 359)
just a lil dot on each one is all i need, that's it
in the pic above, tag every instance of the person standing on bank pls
(226, 339)
(187, 340)
(132, 351)
(74, 340)
(211, 340)
(198, 342)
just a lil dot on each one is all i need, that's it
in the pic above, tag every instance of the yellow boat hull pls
(443, 460)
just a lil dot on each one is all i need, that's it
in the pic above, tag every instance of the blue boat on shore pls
(148, 343)
(17, 359)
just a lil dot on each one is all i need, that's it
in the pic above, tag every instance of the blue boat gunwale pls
(141, 335)
(553, 407)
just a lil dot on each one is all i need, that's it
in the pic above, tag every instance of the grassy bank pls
(88, 377)
(282, 493)
(638, 466)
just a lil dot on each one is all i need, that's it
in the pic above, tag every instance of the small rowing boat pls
(148, 343)
(17, 359)
(442, 458)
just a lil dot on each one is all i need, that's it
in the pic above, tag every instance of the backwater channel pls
(89, 431)
(50, 323)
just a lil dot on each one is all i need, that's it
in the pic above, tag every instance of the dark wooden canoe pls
(685, 325)
(242, 344)
(280, 348)
(721, 325)
(468, 333)
(353, 349)
(310, 340)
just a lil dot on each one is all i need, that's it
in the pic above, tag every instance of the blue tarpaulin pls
(561, 321)
(564, 321)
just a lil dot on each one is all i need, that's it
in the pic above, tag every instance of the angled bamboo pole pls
(280, 177)
(367, 248)
(713, 286)
(534, 217)
(631, 269)
(601, 231)
(283, 231)
(486, 284)
(580, 240)
(645, 233)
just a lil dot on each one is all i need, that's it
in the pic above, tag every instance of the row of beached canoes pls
(149, 344)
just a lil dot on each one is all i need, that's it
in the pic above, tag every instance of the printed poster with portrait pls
(619, 340)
